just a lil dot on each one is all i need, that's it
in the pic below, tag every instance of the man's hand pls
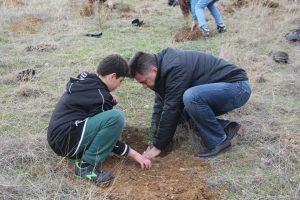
(151, 152)
(193, 26)
(142, 160)
(110, 4)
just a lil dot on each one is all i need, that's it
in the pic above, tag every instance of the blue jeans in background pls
(203, 102)
(200, 12)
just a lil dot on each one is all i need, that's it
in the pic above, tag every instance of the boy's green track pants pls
(101, 133)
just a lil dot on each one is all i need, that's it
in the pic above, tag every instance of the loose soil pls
(231, 8)
(185, 34)
(121, 7)
(41, 48)
(14, 3)
(174, 176)
(29, 24)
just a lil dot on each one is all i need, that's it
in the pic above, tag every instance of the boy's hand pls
(144, 162)
(151, 152)
(116, 98)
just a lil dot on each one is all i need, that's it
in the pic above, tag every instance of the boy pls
(84, 125)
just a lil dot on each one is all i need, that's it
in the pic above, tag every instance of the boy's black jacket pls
(85, 96)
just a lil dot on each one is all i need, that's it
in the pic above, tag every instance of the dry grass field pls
(48, 36)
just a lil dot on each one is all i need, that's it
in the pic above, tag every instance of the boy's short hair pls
(113, 63)
(141, 63)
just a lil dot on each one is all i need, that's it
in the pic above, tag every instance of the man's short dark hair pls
(141, 63)
(113, 63)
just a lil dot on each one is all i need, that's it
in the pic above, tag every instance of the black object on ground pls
(281, 57)
(293, 36)
(137, 22)
(172, 3)
(95, 34)
(26, 75)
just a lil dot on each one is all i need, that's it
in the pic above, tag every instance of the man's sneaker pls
(231, 129)
(212, 152)
(99, 178)
(221, 28)
(205, 32)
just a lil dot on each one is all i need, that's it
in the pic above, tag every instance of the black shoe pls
(232, 129)
(212, 152)
(102, 179)
(137, 22)
(95, 34)
(221, 28)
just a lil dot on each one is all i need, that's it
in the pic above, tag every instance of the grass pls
(262, 164)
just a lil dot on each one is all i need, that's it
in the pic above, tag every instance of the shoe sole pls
(104, 184)
(215, 154)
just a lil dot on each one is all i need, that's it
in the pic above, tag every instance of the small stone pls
(181, 169)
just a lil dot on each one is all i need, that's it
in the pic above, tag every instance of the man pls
(198, 83)
(90, 5)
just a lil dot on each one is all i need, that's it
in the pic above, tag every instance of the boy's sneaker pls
(99, 178)
(221, 28)
(72, 161)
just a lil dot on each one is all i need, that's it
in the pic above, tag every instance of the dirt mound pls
(232, 7)
(29, 24)
(122, 7)
(26, 75)
(14, 3)
(126, 16)
(85, 10)
(41, 48)
(270, 4)
(175, 176)
(28, 91)
(185, 34)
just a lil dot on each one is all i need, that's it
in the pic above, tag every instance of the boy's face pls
(113, 82)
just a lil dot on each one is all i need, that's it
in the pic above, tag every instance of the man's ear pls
(154, 69)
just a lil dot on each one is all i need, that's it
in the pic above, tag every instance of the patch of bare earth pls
(171, 176)
(14, 3)
(185, 34)
(235, 5)
(41, 48)
(29, 24)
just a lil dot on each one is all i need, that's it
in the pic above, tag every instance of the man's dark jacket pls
(85, 96)
(179, 70)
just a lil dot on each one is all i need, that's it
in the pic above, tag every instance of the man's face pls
(148, 79)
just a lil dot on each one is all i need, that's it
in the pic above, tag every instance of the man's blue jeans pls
(203, 102)
(200, 12)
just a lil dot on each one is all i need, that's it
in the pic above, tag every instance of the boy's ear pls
(113, 75)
